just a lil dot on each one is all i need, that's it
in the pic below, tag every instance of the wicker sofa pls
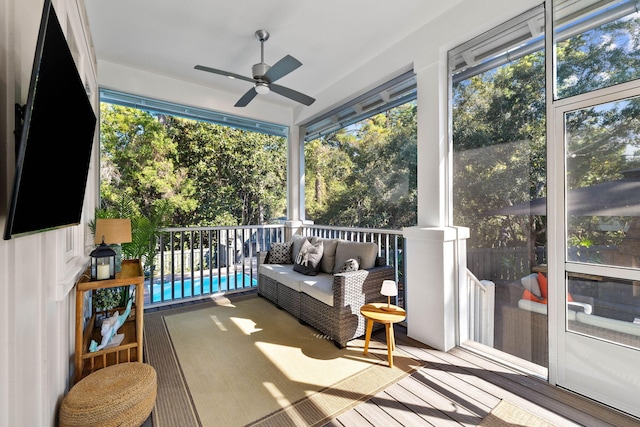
(525, 326)
(329, 300)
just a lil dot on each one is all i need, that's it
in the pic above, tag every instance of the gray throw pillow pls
(297, 241)
(308, 258)
(365, 251)
(328, 261)
(280, 253)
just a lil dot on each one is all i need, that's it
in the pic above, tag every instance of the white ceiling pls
(329, 37)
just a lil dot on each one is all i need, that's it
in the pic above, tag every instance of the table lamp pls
(389, 289)
(113, 232)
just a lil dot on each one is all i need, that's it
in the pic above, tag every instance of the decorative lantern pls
(103, 263)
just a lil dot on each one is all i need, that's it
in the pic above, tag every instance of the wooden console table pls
(130, 350)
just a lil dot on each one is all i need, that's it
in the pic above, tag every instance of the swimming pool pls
(201, 286)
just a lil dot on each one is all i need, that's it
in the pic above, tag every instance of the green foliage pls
(499, 134)
(366, 175)
(237, 174)
(105, 298)
(187, 172)
(144, 229)
(137, 161)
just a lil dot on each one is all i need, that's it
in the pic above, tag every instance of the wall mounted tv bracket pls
(19, 122)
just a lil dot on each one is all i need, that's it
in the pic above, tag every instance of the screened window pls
(361, 160)
(597, 45)
(499, 170)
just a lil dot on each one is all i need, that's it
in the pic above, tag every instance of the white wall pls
(37, 272)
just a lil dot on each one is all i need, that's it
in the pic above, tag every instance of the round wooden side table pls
(387, 315)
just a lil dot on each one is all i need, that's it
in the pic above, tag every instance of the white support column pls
(295, 174)
(433, 158)
(432, 275)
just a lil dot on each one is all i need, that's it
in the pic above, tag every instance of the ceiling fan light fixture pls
(264, 76)
(262, 88)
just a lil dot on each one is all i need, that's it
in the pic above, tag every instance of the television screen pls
(56, 139)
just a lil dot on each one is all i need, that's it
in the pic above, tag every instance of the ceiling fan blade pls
(246, 98)
(282, 68)
(292, 94)
(223, 73)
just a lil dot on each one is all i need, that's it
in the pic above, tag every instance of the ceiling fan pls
(264, 76)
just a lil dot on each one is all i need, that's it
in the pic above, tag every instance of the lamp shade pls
(113, 230)
(389, 288)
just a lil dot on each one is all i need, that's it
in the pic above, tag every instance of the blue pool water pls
(201, 286)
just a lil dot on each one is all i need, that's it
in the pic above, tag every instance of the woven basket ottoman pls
(118, 395)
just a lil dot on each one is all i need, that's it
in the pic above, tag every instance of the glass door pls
(595, 203)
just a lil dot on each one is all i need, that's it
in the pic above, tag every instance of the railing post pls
(431, 257)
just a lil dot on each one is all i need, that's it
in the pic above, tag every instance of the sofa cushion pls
(542, 283)
(319, 287)
(607, 323)
(540, 308)
(297, 241)
(528, 295)
(350, 265)
(533, 306)
(284, 274)
(530, 283)
(367, 253)
(328, 261)
(308, 260)
(280, 253)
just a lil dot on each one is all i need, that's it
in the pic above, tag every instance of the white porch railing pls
(482, 296)
(194, 262)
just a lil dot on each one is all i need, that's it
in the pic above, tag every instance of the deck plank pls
(350, 419)
(375, 415)
(398, 411)
(460, 388)
(423, 408)
(526, 392)
(448, 408)
(572, 406)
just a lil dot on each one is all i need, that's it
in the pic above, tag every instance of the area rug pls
(245, 362)
(506, 414)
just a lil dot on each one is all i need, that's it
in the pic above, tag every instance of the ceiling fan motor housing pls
(259, 70)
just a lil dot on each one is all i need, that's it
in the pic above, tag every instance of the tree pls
(499, 134)
(205, 174)
(240, 176)
(137, 161)
(365, 175)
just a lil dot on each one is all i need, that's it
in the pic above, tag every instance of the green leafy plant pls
(106, 298)
(145, 230)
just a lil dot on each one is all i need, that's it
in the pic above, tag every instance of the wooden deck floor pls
(461, 388)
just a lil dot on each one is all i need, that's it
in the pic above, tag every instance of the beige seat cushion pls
(319, 287)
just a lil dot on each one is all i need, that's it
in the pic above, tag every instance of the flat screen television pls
(55, 140)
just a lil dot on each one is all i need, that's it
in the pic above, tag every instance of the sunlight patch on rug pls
(249, 362)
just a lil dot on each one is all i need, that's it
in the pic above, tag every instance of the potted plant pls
(103, 300)
(144, 230)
